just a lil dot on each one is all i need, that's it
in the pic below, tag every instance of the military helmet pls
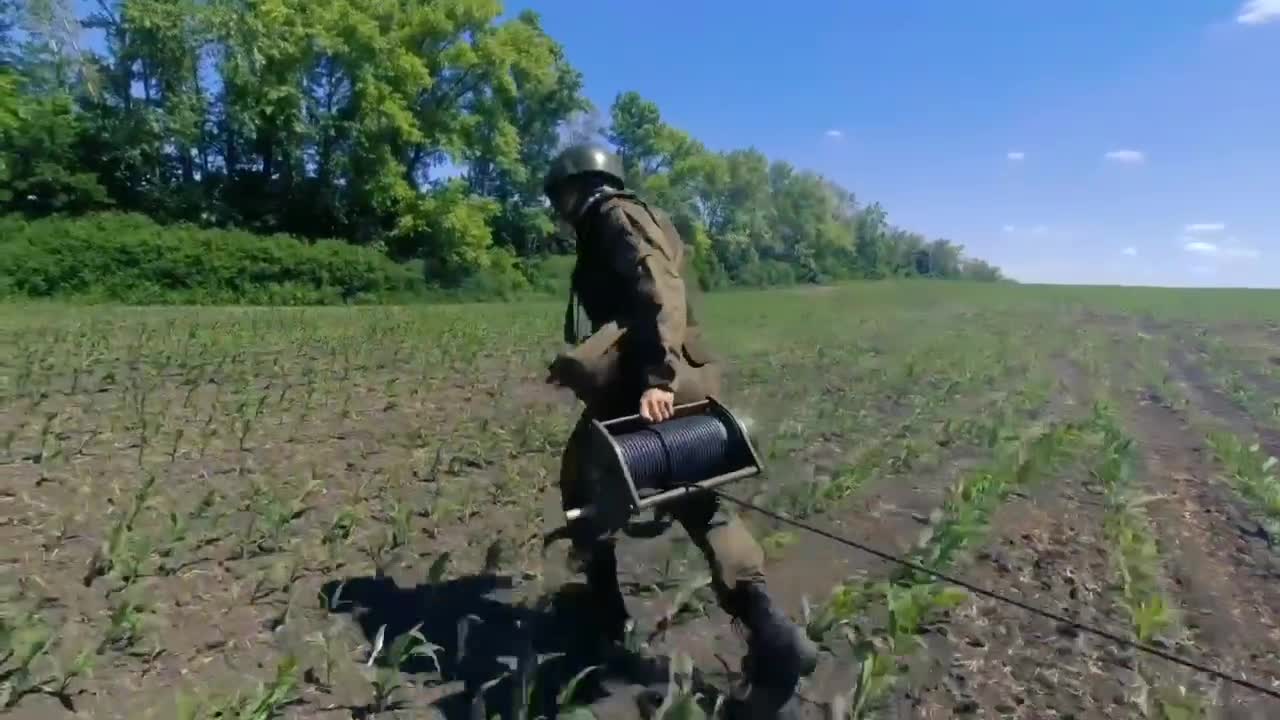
(581, 159)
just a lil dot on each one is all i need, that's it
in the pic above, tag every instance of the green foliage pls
(132, 259)
(422, 130)
(37, 162)
(910, 601)
(756, 223)
(124, 410)
(1251, 470)
(267, 701)
(28, 662)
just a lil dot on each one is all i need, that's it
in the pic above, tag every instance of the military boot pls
(779, 653)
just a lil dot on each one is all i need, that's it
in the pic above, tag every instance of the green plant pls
(681, 701)
(26, 643)
(1254, 473)
(124, 550)
(685, 600)
(1134, 550)
(264, 703)
(384, 676)
(125, 624)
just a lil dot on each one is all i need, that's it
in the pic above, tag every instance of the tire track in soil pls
(1251, 358)
(1254, 375)
(890, 518)
(992, 660)
(908, 507)
(1202, 393)
(890, 513)
(1225, 576)
(1045, 546)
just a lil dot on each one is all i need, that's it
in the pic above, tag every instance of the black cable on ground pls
(1139, 646)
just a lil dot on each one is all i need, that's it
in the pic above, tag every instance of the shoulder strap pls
(571, 330)
(594, 202)
(655, 225)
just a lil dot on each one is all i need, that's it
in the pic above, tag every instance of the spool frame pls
(617, 497)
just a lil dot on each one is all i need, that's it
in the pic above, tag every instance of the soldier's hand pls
(656, 404)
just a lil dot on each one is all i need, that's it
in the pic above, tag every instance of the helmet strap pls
(594, 198)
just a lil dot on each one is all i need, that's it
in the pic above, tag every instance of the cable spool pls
(675, 452)
(640, 465)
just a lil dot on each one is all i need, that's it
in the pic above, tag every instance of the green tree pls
(40, 164)
(536, 93)
(873, 247)
(421, 130)
(981, 271)
(41, 131)
(635, 129)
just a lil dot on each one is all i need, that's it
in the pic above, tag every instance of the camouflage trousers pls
(731, 552)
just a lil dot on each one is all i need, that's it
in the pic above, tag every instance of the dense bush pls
(129, 258)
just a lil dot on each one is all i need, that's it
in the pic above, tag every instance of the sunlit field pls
(257, 513)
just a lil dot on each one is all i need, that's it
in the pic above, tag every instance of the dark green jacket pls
(629, 273)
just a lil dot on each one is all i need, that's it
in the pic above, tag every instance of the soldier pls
(628, 274)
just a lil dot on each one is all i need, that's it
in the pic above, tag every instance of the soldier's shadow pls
(480, 634)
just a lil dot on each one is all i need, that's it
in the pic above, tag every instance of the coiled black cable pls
(676, 452)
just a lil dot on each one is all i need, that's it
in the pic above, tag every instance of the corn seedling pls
(333, 649)
(682, 702)
(59, 684)
(564, 699)
(1253, 473)
(876, 671)
(385, 677)
(179, 528)
(671, 569)
(1135, 554)
(913, 600)
(685, 601)
(845, 605)
(775, 544)
(439, 569)
(401, 524)
(24, 639)
(272, 515)
(125, 623)
(124, 551)
(1179, 704)
(264, 703)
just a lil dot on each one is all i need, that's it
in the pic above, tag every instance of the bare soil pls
(1224, 570)
(219, 610)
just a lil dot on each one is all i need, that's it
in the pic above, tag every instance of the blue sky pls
(1132, 142)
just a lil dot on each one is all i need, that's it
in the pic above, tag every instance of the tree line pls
(417, 130)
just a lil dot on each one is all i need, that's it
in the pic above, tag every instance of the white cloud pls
(835, 134)
(1016, 155)
(1130, 251)
(1257, 12)
(1241, 253)
(1205, 227)
(1131, 157)
(1025, 230)
(1229, 250)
